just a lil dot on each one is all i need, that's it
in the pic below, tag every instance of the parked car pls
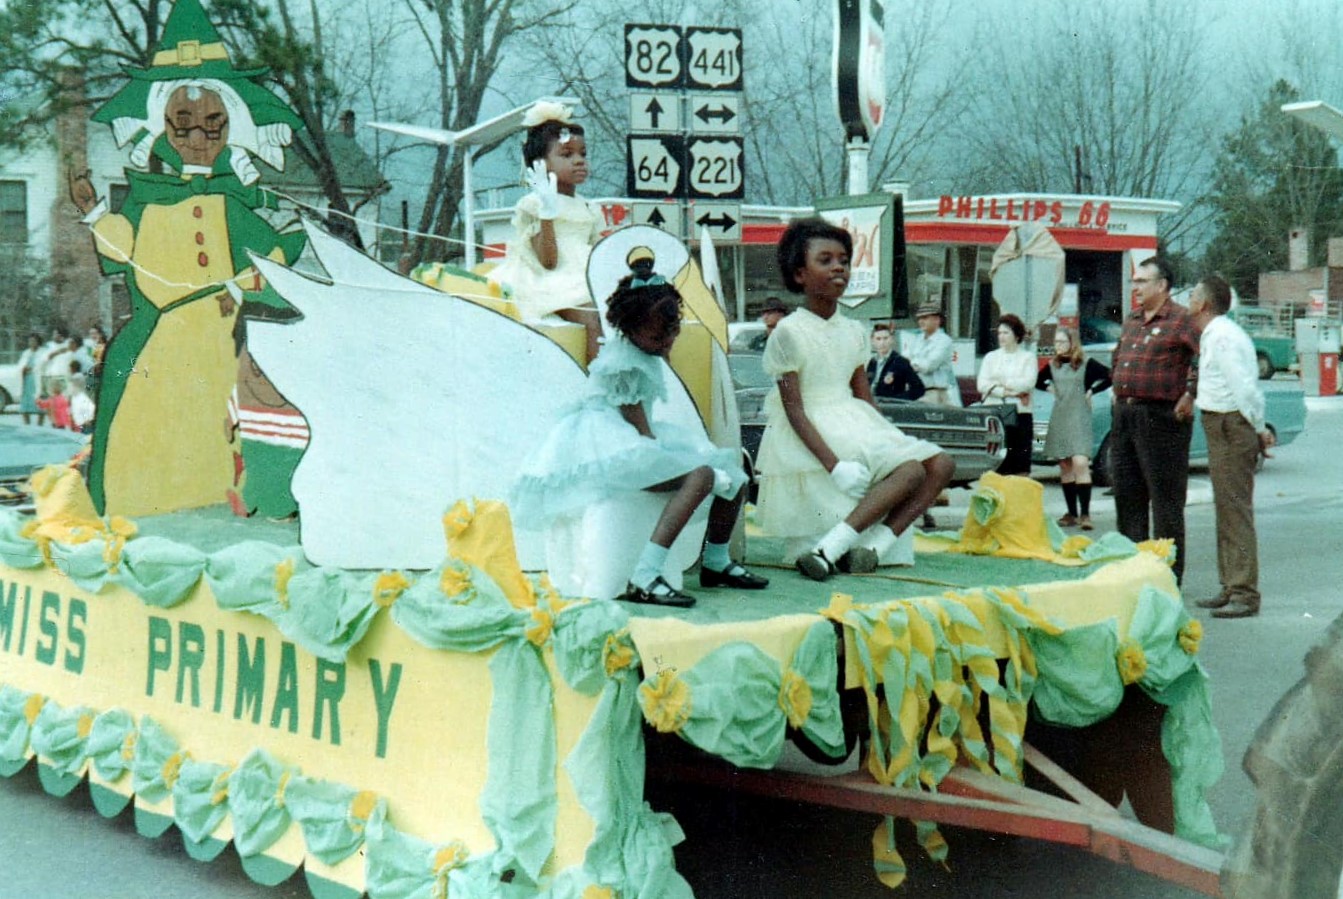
(1275, 349)
(26, 448)
(973, 437)
(11, 384)
(1284, 410)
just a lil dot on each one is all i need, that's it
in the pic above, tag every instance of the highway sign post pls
(685, 128)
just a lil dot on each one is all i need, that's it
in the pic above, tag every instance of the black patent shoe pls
(859, 560)
(735, 575)
(658, 593)
(815, 565)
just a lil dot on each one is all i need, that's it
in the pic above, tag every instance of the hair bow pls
(547, 111)
(651, 281)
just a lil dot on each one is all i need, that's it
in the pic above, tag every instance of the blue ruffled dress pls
(593, 454)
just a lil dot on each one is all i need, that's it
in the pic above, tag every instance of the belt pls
(1143, 401)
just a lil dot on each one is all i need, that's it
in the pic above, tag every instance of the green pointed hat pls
(191, 48)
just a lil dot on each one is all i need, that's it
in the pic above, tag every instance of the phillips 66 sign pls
(860, 66)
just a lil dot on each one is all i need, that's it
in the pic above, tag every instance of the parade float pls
(404, 697)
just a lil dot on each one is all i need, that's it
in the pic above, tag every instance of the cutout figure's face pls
(196, 128)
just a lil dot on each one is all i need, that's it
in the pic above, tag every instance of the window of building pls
(116, 195)
(13, 212)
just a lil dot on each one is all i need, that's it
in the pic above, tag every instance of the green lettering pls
(330, 691)
(286, 689)
(8, 603)
(190, 657)
(23, 625)
(74, 635)
(251, 679)
(160, 649)
(47, 622)
(219, 672)
(384, 697)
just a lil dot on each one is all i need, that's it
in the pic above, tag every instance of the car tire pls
(1295, 844)
(1265, 367)
(1100, 466)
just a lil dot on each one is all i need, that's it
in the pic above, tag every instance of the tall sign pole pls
(860, 80)
(685, 153)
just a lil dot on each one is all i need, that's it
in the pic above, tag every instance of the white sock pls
(881, 538)
(837, 542)
(649, 566)
(716, 557)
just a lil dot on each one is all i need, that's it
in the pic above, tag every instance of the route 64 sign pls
(654, 166)
(714, 168)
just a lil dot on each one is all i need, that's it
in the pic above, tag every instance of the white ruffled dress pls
(539, 291)
(798, 498)
(593, 453)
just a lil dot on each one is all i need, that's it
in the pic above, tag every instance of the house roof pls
(357, 171)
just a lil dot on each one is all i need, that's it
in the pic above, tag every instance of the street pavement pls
(744, 847)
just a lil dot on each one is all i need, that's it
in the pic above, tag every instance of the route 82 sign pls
(714, 168)
(653, 56)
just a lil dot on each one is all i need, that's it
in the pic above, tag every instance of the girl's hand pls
(851, 477)
(543, 184)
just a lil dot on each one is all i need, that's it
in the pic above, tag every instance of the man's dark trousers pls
(1149, 468)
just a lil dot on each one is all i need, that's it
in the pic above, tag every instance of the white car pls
(11, 384)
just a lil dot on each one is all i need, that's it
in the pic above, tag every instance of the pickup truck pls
(1275, 350)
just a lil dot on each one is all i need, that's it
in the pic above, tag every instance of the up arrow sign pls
(654, 110)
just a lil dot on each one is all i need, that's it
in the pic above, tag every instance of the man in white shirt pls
(1231, 406)
(931, 356)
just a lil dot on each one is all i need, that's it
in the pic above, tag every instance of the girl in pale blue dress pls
(612, 442)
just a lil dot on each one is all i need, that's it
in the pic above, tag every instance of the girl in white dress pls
(829, 462)
(554, 229)
(612, 443)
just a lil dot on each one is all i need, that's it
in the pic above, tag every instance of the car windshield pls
(1099, 330)
(748, 370)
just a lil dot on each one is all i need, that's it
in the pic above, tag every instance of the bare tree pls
(794, 142)
(1122, 85)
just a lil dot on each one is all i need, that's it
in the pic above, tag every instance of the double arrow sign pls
(722, 222)
(656, 114)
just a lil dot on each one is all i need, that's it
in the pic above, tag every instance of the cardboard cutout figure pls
(159, 444)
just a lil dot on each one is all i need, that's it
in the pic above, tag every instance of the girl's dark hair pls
(792, 249)
(1016, 324)
(33, 336)
(540, 137)
(629, 307)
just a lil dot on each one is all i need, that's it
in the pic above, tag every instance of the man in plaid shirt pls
(1154, 387)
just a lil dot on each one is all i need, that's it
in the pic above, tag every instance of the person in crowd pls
(554, 229)
(772, 313)
(931, 357)
(889, 373)
(1073, 379)
(30, 379)
(1007, 375)
(81, 406)
(96, 341)
(56, 360)
(57, 405)
(830, 463)
(1155, 382)
(612, 442)
(1231, 405)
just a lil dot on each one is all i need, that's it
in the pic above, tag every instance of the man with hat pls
(931, 357)
(772, 313)
(160, 443)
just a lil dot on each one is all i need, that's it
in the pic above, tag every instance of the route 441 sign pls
(714, 168)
